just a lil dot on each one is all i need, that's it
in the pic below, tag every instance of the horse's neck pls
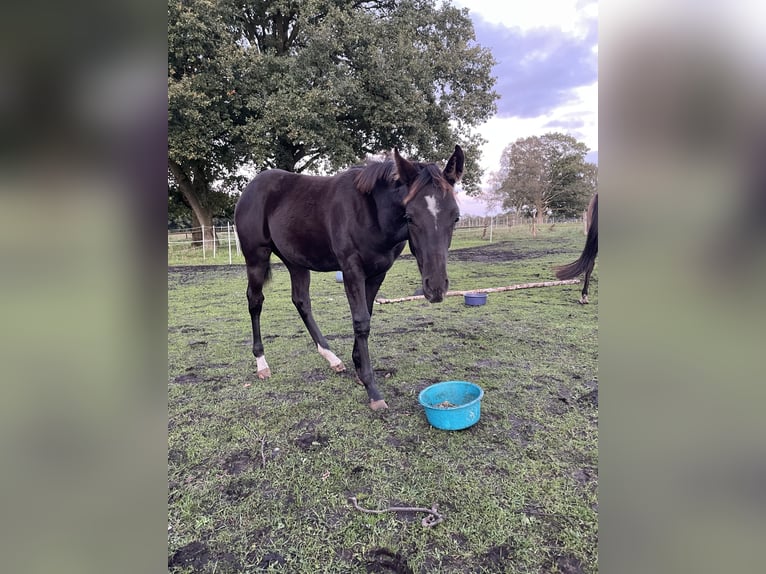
(390, 218)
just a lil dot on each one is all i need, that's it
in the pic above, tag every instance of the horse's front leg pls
(301, 280)
(357, 299)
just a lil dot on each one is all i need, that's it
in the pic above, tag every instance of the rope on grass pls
(433, 518)
(487, 290)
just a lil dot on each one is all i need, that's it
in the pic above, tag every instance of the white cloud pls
(503, 131)
(578, 116)
(569, 16)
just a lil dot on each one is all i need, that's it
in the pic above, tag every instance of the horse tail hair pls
(589, 252)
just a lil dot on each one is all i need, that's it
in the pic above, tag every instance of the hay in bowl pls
(452, 405)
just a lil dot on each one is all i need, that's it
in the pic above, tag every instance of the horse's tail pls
(589, 252)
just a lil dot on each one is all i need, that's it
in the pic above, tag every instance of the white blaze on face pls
(433, 208)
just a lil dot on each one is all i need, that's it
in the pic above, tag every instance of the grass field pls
(260, 472)
(181, 252)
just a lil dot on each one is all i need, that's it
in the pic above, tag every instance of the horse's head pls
(431, 211)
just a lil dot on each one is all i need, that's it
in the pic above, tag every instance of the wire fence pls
(196, 245)
(213, 243)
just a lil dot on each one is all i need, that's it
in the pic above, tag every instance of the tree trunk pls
(194, 190)
(286, 155)
(198, 226)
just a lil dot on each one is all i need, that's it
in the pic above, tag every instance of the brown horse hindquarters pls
(587, 260)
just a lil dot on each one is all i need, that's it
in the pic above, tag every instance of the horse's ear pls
(454, 170)
(406, 172)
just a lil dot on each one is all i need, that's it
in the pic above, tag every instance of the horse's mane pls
(385, 171)
(373, 172)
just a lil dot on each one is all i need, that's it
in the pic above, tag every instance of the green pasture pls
(181, 251)
(260, 472)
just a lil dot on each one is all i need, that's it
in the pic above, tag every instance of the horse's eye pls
(457, 219)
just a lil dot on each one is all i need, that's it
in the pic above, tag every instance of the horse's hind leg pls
(586, 283)
(257, 275)
(300, 278)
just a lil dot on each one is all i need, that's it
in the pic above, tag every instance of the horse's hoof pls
(378, 405)
(584, 301)
(264, 373)
(339, 368)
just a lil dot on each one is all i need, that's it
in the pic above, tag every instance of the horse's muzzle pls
(435, 293)
(436, 297)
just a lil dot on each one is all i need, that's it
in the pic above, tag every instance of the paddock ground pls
(260, 472)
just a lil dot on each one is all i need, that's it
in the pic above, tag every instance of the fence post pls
(228, 236)
(212, 229)
(491, 221)
(203, 242)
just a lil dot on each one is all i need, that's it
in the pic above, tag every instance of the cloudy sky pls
(547, 73)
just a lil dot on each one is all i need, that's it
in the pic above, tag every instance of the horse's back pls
(272, 191)
(292, 213)
(263, 186)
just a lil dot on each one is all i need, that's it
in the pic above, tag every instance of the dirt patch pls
(589, 400)
(197, 555)
(495, 253)
(238, 462)
(490, 363)
(311, 438)
(267, 560)
(585, 475)
(188, 379)
(407, 443)
(315, 376)
(385, 560)
(497, 557)
(312, 441)
(564, 564)
(523, 430)
(240, 488)
(177, 456)
(185, 329)
(384, 373)
(183, 274)
(558, 405)
(459, 538)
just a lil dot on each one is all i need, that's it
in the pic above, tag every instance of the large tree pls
(542, 174)
(316, 85)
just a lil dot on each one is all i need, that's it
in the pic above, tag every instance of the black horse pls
(358, 222)
(587, 260)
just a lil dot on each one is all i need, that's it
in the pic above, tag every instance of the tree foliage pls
(545, 173)
(316, 85)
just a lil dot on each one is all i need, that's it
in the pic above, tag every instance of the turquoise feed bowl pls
(452, 405)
